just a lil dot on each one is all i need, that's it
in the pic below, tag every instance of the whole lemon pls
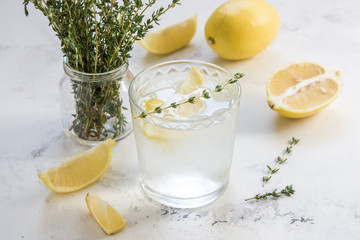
(239, 29)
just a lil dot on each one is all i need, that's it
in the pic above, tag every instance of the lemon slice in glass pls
(80, 170)
(190, 109)
(150, 104)
(301, 89)
(105, 215)
(170, 39)
(193, 81)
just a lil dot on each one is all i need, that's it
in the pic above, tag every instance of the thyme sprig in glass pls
(287, 191)
(205, 94)
(279, 160)
(96, 36)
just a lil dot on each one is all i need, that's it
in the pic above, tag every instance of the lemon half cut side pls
(170, 39)
(80, 170)
(302, 89)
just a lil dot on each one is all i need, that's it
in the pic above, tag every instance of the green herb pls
(96, 36)
(205, 94)
(287, 191)
(279, 161)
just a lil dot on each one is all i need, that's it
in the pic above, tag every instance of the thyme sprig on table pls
(279, 161)
(287, 191)
(205, 94)
(96, 36)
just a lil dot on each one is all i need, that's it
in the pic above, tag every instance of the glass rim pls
(236, 99)
(75, 73)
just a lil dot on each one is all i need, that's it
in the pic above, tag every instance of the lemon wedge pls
(80, 170)
(170, 39)
(193, 81)
(301, 89)
(190, 109)
(150, 104)
(154, 133)
(105, 215)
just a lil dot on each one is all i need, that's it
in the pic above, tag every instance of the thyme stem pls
(287, 191)
(205, 94)
(96, 39)
(279, 160)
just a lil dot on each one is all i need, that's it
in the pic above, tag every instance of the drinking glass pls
(184, 161)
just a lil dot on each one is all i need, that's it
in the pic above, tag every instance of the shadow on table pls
(73, 220)
(188, 52)
(255, 119)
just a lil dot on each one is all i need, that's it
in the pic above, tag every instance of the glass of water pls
(184, 159)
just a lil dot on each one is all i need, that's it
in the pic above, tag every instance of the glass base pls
(184, 202)
(74, 137)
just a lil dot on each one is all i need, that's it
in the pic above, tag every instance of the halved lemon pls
(105, 215)
(170, 39)
(301, 89)
(80, 170)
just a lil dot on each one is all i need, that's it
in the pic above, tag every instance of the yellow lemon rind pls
(241, 29)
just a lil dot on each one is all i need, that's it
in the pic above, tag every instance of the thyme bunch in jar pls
(97, 36)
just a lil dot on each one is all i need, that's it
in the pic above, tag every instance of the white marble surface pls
(324, 167)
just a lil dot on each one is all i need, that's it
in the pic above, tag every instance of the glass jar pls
(95, 106)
